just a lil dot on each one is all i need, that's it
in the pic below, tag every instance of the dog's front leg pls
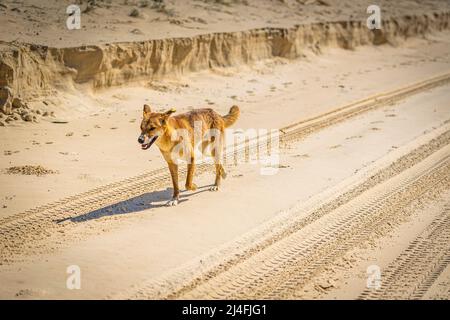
(190, 175)
(176, 191)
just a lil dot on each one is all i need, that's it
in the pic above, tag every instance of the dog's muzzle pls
(146, 142)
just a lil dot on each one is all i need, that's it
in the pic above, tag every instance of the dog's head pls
(153, 125)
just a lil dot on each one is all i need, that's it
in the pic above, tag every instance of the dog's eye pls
(152, 128)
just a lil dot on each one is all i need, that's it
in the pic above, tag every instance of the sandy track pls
(281, 257)
(440, 289)
(18, 231)
(276, 258)
(285, 266)
(414, 271)
(350, 110)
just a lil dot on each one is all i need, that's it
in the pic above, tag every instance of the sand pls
(110, 21)
(84, 92)
(128, 235)
(111, 119)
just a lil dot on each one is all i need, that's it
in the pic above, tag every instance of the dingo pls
(162, 128)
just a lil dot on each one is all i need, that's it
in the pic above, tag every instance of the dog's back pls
(209, 118)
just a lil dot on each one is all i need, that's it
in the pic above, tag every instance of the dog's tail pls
(232, 116)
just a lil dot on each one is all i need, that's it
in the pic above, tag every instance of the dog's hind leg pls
(220, 173)
(190, 175)
(223, 174)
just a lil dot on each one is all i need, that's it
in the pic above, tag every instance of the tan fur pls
(163, 125)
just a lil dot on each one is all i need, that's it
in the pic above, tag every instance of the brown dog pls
(165, 129)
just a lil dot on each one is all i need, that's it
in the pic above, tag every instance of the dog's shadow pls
(143, 202)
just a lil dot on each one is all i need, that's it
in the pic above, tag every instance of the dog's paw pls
(214, 188)
(172, 202)
(192, 187)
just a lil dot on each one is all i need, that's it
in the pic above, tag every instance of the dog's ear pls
(169, 112)
(167, 115)
(147, 110)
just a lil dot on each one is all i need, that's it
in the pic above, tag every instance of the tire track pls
(24, 229)
(287, 265)
(358, 107)
(176, 283)
(440, 290)
(415, 270)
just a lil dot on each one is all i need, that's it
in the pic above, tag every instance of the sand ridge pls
(30, 72)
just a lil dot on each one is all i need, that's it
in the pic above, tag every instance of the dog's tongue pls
(148, 145)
